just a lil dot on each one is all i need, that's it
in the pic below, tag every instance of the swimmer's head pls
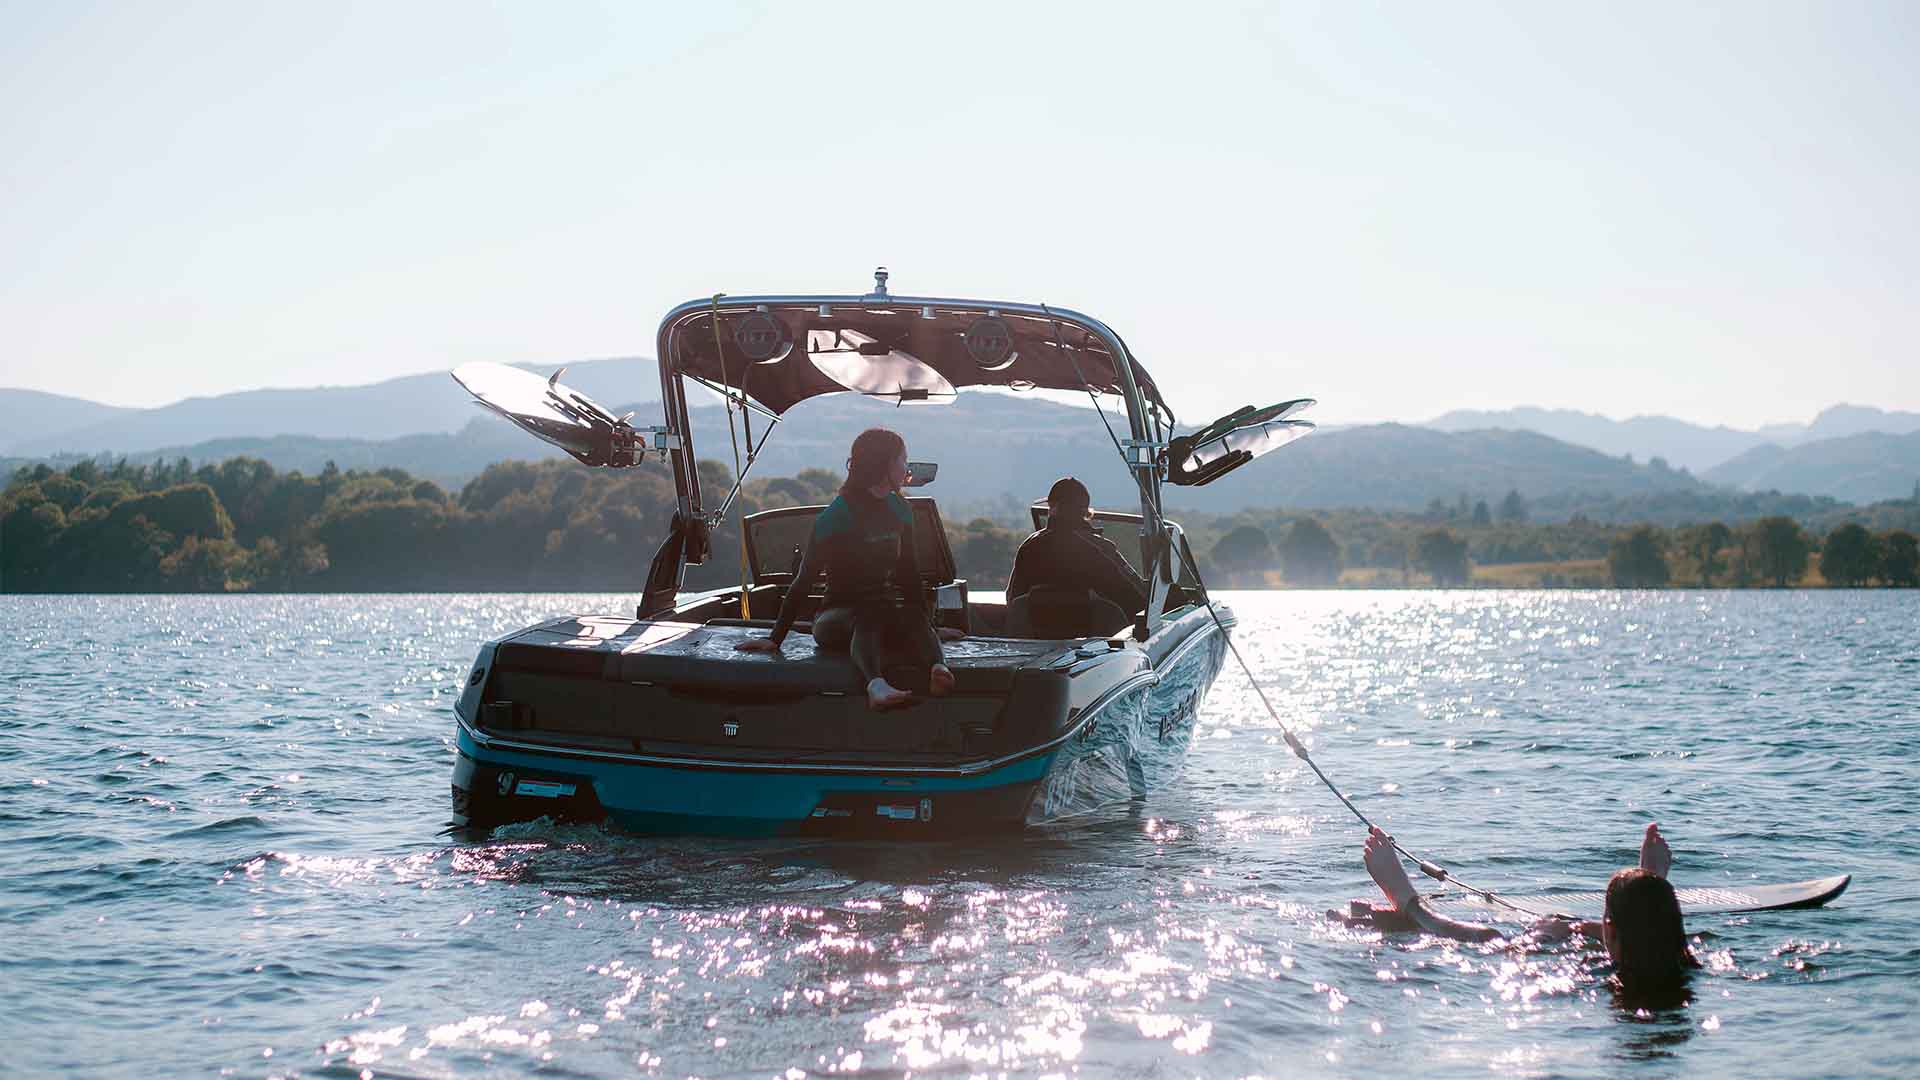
(1642, 932)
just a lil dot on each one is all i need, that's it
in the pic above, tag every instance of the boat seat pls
(695, 658)
(1055, 612)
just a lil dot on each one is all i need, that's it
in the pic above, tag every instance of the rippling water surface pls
(225, 852)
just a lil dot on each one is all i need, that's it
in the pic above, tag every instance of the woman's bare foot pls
(883, 695)
(1656, 857)
(940, 681)
(1384, 864)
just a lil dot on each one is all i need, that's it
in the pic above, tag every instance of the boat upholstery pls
(663, 684)
(1051, 612)
(700, 656)
(777, 538)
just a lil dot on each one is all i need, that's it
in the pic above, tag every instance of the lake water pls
(225, 854)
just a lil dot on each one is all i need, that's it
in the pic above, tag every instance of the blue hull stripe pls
(637, 793)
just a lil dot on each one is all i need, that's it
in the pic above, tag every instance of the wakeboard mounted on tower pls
(1233, 440)
(556, 413)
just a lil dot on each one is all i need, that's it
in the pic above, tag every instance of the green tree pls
(811, 487)
(1513, 508)
(112, 552)
(1244, 551)
(1482, 515)
(184, 510)
(245, 487)
(1703, 543)
(1443, 555)
(64, 491)
(1635, 560)
(388, 546)
(983, 553)
(1850, 556)
(1900, 559)
(203, 566)
(30, 531)
(108, 494)
(1777, 549)
(1309, 555)
(273, 567)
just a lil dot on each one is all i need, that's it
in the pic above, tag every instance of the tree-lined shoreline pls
(242, 526)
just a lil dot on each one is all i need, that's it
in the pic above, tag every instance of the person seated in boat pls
(1640, 928)
(875, 607)
(1068, 554)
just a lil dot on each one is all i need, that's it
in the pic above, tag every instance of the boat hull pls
(492, 787)
(1136, 742)
(1125, 740)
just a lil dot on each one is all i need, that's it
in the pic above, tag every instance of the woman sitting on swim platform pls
(875, 607)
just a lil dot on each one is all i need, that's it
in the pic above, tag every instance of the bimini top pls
(782, 350)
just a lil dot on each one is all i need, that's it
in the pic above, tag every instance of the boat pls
(655, 723)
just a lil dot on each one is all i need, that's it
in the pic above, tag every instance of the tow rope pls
(1427, 866)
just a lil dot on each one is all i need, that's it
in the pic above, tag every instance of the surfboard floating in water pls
(1700, 900)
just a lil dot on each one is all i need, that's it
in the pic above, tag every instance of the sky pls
(1705, 211)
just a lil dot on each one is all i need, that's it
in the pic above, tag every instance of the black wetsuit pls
(875, 605)
(1070, 554)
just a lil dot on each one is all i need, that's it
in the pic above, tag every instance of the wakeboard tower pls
(657, 723)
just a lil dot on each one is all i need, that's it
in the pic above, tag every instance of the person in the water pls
(875, 607)
(1641, 928)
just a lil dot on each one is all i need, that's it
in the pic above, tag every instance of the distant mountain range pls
(45, 424)
(1000, 450)
(32, 414)
(1681, 444)
(1859, 468)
